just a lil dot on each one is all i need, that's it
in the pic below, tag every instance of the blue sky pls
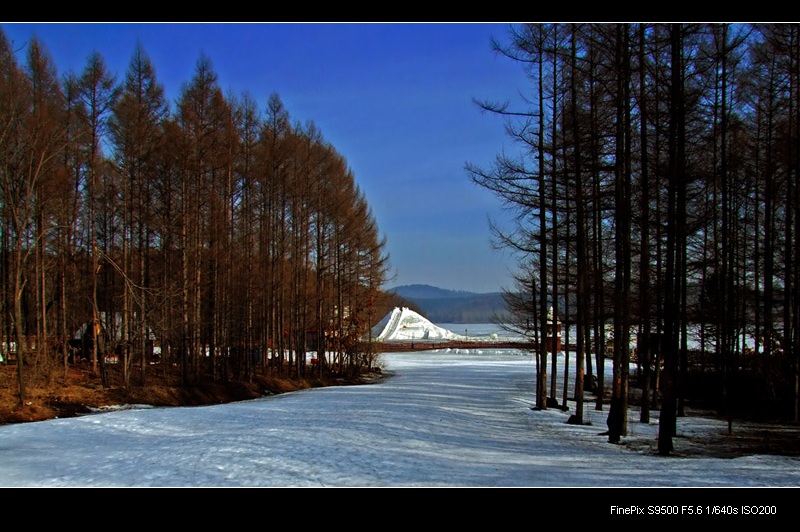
(394, 99)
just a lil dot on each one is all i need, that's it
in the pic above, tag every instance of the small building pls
(552, 334)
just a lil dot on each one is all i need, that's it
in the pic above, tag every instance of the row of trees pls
(221, 235)
(656, 189)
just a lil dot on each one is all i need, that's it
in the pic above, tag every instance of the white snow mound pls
(405, 324)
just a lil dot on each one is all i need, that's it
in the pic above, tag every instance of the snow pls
(441, 418)
(405, 324)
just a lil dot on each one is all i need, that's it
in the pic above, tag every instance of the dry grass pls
(81, 391)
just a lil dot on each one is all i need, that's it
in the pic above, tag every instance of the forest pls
(655, 195)
(209, 241)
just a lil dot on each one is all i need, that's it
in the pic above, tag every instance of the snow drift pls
(405, 324)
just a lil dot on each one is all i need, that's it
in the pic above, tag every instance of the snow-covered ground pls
(443, 418)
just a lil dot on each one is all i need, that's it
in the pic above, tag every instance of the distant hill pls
(426, 291)
(440, 305)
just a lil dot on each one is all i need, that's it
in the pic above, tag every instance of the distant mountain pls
(440, 305)
(426, 291)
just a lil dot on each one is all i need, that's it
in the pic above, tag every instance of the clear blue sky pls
(394, 99)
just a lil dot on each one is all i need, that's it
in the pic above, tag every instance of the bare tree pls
(97, 92)
(136, 128)
(31, 141)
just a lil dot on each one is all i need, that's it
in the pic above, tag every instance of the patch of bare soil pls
(744, 438)
(740, 438)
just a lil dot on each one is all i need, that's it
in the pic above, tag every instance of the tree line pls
(655, 196)
(216, 238)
